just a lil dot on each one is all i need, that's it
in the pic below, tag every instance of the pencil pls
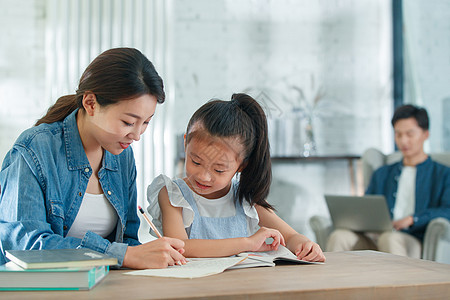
(150, 222)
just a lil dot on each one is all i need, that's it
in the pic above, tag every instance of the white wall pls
(216, 48)
(427, 60)
(343, 47)
(226, 46)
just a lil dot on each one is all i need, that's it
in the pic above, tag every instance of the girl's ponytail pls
(256, 175)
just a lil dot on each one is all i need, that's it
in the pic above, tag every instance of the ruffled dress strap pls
(175, 197)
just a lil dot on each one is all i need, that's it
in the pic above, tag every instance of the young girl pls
(214, 214)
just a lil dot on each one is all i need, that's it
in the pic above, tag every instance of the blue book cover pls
(59, 258)
(15, 278)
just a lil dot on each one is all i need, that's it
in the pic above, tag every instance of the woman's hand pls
(258, 240)
(309, 251)
(156, 254)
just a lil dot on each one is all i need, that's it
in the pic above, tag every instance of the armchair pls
(436, 244)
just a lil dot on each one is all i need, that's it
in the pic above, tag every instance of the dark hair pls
(242, 117)
(411, 111)
(115, 75)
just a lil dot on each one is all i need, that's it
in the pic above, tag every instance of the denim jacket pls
(43, 181)
(432, 192)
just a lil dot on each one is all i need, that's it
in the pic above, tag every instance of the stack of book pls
(58, 269)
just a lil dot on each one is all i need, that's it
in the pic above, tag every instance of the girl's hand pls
(309, 251)
(258, 240)
(156, 254)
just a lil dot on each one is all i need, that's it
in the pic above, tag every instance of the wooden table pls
(346, 275)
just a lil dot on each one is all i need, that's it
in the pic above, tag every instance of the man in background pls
(417, 190)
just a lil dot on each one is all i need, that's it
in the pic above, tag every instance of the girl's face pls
(211, 164)
(115, 127)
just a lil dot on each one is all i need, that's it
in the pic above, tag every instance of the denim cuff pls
(117, 250)
(97, 243)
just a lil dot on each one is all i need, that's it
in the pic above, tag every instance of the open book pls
(200, 267)
(270, 258)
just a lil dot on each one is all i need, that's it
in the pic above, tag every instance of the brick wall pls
(342, 48)
(266, 47)
(216, 48)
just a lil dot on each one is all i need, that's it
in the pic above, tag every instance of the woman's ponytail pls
(63, 107)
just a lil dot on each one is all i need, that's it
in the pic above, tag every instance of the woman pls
(70, 181)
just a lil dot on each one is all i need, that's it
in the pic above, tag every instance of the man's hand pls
(403, 223)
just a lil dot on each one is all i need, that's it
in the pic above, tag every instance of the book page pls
(268, 258)
(196, 267)
(251, 262)
(281, 252)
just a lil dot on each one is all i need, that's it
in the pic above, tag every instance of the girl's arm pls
(172, 222)
(299, 244)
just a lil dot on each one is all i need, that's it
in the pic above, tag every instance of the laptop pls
(368, 213)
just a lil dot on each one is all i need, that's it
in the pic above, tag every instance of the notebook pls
(15, 278)
(367, 213)
(195, 268)
(59, 258)
(199, 267)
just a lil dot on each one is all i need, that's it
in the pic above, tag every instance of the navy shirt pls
(432, 192)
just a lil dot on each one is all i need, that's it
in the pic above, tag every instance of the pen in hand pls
(150, 222)
(154, 229)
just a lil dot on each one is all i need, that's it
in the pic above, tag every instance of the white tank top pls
(96, 214)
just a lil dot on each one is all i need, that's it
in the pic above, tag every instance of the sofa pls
(436, 244)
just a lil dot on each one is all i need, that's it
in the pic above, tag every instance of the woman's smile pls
(124, 145)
